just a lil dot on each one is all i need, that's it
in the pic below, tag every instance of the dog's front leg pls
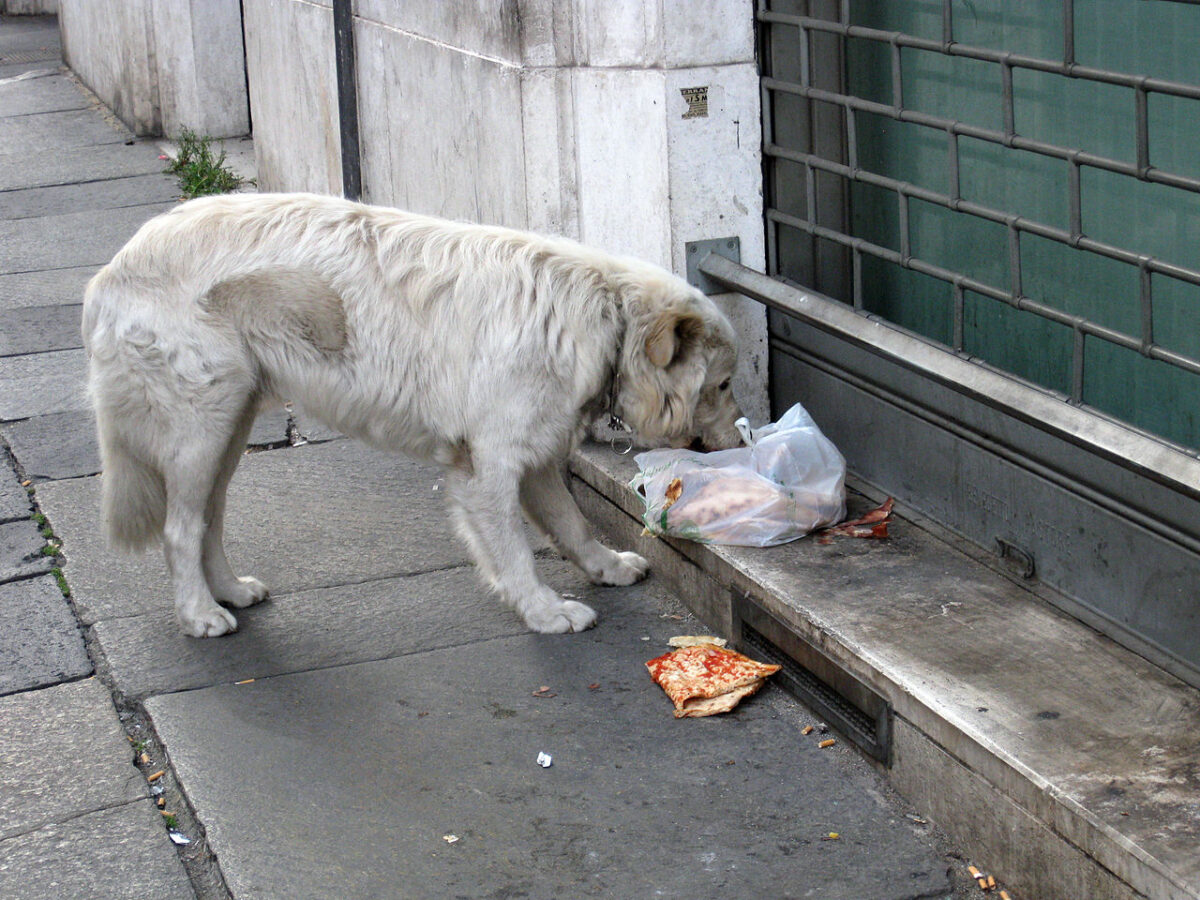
(552, 508)
(487, 511)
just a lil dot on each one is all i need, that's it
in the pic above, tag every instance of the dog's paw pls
(242, 593)
(624, 568)
(562, 617)
(211, 621)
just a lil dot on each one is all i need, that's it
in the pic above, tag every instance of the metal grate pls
(850, 707)
(832, 160)
(29, 56)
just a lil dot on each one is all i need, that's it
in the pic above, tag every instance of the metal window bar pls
(1073, 236)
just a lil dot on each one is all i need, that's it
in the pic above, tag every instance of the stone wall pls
(564, 116)
(161, 65)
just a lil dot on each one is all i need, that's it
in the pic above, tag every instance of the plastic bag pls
(787, 481)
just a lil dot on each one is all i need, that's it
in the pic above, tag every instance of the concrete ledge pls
(1064, 763)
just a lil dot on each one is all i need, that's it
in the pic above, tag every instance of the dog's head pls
(677, 363)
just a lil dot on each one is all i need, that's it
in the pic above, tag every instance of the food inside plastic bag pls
(787, 481)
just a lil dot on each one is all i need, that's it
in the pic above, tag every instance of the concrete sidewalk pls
(373, 730)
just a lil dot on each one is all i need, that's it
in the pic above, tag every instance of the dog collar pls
(615, 422)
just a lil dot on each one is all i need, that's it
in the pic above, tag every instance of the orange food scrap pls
(673, 492)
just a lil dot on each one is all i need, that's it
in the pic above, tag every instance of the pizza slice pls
(704, 679)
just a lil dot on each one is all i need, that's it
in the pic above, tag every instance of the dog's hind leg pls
(552, 508)
(487, 509)
(189, 478)
(227, 587)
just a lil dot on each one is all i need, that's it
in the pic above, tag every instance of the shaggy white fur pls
(484, 349)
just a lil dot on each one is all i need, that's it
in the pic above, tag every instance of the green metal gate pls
(1006, 196)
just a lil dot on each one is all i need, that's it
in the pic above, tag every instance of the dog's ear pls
(670, 334)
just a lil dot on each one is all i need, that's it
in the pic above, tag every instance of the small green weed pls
(199, 171)
(53, 544)
(57, 572)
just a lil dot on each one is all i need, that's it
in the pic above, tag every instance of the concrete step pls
(1069, 764)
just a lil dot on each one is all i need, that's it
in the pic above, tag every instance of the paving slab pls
(331, 626)
(24, 62)
(21, 546)
(59, 445)
(80, 165)
(298, 518)
(53, 132)
(45, 286)
(398, 755)
(120, 853)
(14, 499)
(38, 329)
(47, 92)
(40, 641)
(89, 238)
(42, 383)
(109, 193)
(271, 426)
(24, 33)
(63, 445)
(64, 754)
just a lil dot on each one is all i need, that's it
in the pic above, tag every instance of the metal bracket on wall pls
(695, 251)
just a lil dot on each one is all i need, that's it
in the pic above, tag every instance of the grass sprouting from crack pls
(52, 548)
(199, 170)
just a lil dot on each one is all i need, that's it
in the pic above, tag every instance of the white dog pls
(484, 349)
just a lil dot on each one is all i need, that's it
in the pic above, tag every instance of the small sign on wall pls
(697, 102)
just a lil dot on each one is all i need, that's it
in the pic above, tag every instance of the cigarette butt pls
(244, 681)
(145, 759)
(975, 873)
(807, 729)
(157, 775)
(828, 743)
(991, 883)
(160, 802)
(166, 813)
(1004, 895)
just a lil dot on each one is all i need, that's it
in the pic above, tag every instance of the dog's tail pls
(133, 497)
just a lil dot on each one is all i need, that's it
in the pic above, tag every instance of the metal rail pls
(1129, 448)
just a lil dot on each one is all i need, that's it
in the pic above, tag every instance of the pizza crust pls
(696, 708)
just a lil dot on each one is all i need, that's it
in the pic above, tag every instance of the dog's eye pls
(724, 385)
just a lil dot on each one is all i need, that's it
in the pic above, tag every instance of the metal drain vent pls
(844, 701)
(29, 56)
